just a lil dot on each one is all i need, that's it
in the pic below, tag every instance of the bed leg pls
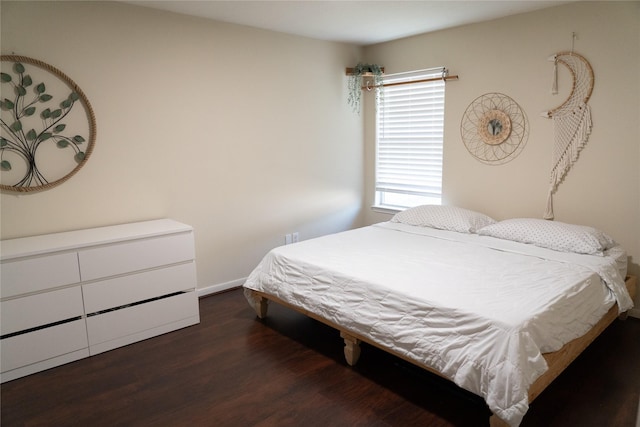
(623, 315)
(494, 421)
(351, 348)
(261, 305)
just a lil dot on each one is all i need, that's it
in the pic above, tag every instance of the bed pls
(499, 308)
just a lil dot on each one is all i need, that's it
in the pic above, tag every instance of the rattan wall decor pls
(47, 126)
(494, 128)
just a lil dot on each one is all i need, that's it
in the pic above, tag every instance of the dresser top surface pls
(77, 239)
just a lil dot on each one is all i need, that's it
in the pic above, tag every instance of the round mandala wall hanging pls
(494, 129)
(47, 126)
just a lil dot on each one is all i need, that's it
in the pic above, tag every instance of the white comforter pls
(479, 310)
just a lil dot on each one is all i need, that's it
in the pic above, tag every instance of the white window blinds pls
(409, 143)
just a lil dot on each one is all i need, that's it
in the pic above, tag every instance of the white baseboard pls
(635, 312)
(214, 289)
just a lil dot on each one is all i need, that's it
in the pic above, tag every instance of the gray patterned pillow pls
(554, 235)
(444, 218)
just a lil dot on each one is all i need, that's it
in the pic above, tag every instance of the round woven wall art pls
(47, 126)
(494, 129)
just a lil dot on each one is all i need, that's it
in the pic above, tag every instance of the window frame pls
(424, 144)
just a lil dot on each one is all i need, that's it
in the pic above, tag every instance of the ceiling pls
(357, 22)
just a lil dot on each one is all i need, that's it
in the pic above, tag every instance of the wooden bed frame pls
(557, 361)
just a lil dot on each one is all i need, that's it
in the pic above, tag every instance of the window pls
(409, 140)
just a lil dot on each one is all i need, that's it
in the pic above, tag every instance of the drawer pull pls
(135, 303)
(37, 328)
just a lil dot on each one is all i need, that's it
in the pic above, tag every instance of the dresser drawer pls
(137, 287)
(131, 324)
(26, 349)
(41, 309)
(28, 275)
(121, 258)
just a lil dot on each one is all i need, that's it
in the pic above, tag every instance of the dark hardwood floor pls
(234, 370)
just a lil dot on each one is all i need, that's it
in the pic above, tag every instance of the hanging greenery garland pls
(357, 81)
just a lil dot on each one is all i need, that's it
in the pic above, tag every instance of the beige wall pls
(510, 56)
(244, 134)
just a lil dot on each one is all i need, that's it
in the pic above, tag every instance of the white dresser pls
(66, 296)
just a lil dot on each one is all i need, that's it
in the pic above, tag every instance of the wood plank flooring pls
(235, 370)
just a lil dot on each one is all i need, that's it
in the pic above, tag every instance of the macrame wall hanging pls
(571, 120)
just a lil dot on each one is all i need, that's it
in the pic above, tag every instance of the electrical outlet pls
(287, 239)
(295, 237)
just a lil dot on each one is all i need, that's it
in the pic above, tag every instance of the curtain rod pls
(433, 79)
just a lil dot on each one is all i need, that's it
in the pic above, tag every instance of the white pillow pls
(444, 218)
(554, 235)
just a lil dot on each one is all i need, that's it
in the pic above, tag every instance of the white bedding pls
(479, 310)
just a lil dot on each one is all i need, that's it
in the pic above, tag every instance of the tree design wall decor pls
(47, 126)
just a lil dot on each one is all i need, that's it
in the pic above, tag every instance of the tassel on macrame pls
(548, 214)
(554, 83)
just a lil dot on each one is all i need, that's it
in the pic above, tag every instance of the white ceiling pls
(358, 22)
